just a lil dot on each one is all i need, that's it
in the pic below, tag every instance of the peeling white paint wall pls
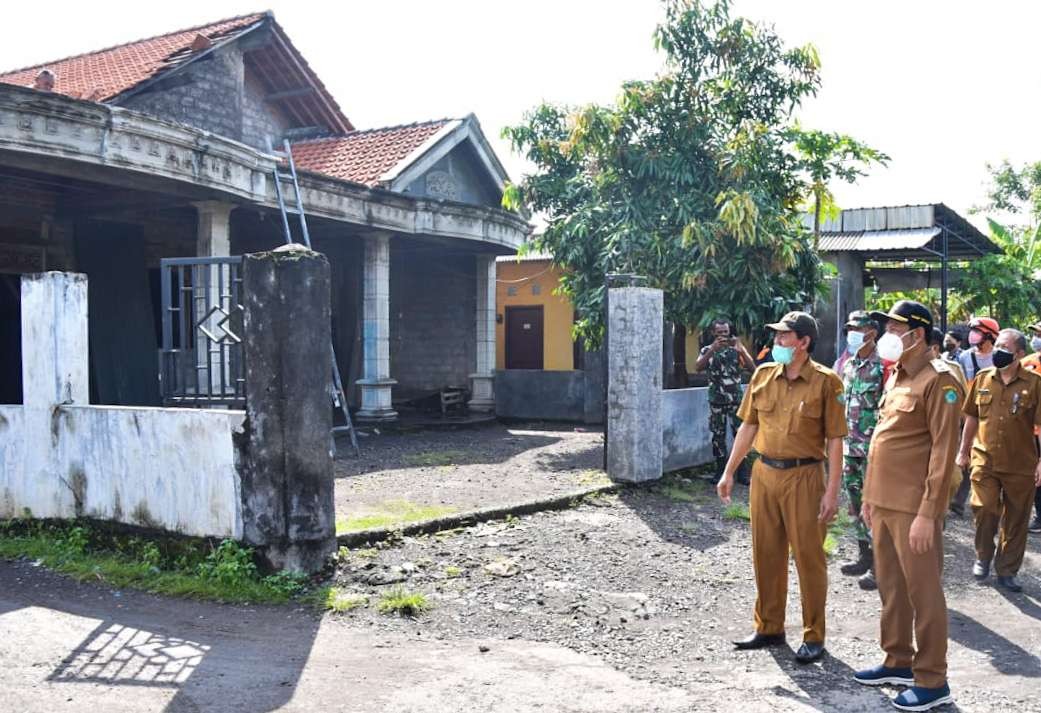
(164, 468)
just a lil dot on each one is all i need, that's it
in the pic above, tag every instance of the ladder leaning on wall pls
(339, 397)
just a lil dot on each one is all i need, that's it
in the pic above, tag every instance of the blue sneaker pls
(917, 698)
(885, 676)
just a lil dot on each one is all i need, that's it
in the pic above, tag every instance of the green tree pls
(825, 157)
(688, 178)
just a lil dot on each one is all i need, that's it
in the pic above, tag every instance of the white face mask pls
(890, 347)
(1035, 344)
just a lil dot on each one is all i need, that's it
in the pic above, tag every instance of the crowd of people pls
(911, 423)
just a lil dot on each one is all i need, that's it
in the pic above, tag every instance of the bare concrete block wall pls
(686, 439)
(286, 450)
(432, 326)
(634, 413)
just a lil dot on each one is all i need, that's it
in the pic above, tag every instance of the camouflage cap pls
(802, 323)
(859, 318)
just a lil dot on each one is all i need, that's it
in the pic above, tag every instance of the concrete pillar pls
(54, 340)
(286, 449)
(482, 381)
(212, 239)
(846, 293)
(376, 384)
(54, 371)
(634, 391)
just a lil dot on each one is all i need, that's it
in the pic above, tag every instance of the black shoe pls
(981, 569)
(867, 581)
(759, 641)
(1035, 525)
(1010, 583)
(863, 562)
(810, 651)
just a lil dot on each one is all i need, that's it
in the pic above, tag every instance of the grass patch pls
(736, 511)
(401, 601)
(334, 599)
(451, 571)
(831, 543)
(392, 513)
(684, 490)
(592, 477)
(429, 459)
(173, 567)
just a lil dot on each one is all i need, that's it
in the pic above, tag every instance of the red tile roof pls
(364, 156)
(106, 73)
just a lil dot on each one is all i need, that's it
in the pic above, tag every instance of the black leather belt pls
(788, 463)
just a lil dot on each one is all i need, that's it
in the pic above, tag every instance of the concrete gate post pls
(286, 449)
(634, 415)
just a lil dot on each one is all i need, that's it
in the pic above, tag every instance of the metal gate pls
(200, 361)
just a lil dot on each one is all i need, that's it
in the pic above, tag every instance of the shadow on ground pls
(211, 655)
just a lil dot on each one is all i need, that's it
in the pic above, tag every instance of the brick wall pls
(432, 320)
(214, 94)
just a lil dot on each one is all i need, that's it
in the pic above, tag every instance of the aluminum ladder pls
(339, 397)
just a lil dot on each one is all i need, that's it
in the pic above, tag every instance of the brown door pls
(524, 337)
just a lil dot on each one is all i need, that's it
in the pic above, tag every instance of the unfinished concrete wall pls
(432, 325)
(846, 294)
(286, 450)
(686, 439)
(634, 393)
(214, 94)
(549, 395)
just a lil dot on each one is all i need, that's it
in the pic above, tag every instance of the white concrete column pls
(482, 391)
(212, 239)
(54, 340)
(376, 384)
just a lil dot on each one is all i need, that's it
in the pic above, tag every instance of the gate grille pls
(200, 362)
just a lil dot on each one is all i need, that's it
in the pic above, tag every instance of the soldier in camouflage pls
(724, 358)
(863, 378)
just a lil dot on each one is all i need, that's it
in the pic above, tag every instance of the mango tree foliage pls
(689, 179)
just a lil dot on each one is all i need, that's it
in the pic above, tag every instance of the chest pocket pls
(984, 403)
(900, 405)
(763, 401)
(806, 417)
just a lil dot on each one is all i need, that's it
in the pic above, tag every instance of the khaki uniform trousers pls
(914, 609)
(783, 505)
(1001, 506)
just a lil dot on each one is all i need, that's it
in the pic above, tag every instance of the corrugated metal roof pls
(530, 257)
(872, 240)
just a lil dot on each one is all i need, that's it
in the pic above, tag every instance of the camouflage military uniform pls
(724, 397)
(863, 381)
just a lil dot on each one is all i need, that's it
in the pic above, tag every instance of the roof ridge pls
(258, 15)
(409, 125)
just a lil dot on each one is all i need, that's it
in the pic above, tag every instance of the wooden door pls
(524, 337)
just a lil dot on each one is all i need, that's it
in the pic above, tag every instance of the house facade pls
(113, 161)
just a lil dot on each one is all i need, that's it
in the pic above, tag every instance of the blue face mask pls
(854, 341)
(782, 355)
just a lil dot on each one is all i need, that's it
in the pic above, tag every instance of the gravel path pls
(412, 476)
(655, 582)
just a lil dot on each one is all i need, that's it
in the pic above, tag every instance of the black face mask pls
(1003, 358)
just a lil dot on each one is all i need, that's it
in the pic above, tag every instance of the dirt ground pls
(625, 603)
(419, 475)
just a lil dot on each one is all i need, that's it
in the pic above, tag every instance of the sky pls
(942, 87)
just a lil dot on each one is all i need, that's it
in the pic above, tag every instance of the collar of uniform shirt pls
(915, 363)
(803, 374)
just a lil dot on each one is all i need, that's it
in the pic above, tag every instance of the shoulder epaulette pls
(940, 365)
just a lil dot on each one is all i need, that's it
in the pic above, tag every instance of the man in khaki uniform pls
(1001, 411)
(906, 490)
(794, 412)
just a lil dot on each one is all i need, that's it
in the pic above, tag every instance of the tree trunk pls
(816, 218)
(679, 357)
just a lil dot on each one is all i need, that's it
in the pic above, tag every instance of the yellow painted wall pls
(557, 312)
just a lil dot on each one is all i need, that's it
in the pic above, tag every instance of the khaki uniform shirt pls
(914, 444)
(795, 417)
(1008, 414)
